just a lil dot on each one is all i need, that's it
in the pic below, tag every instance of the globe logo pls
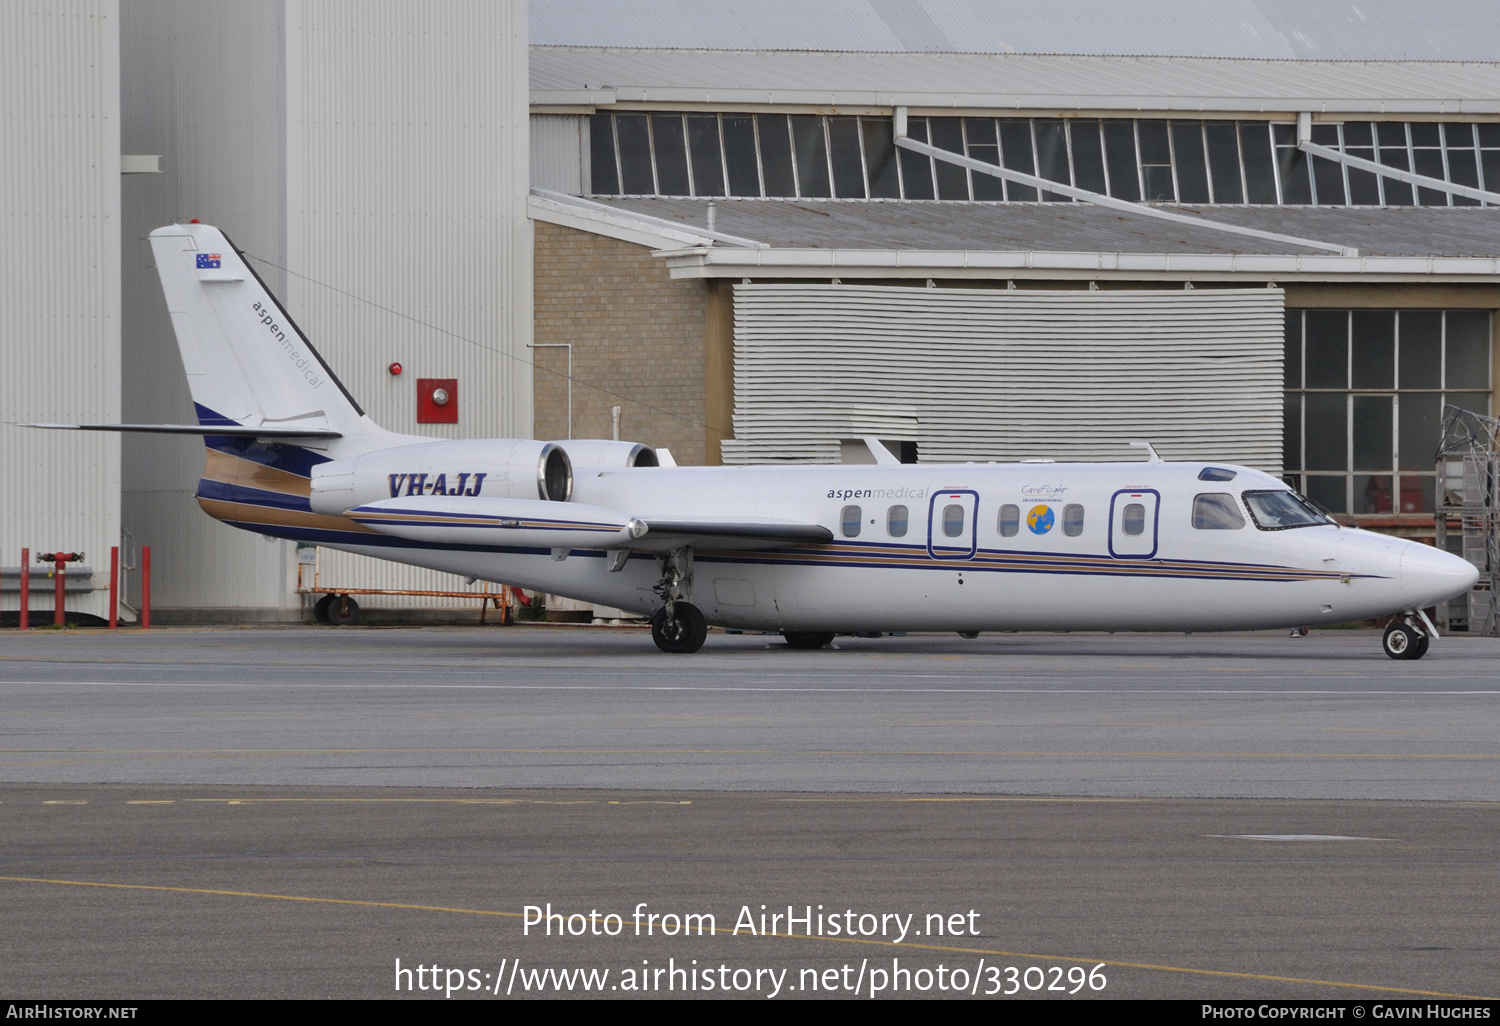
(1039, 520)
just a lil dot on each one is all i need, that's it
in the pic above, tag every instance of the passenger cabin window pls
(1010, 520)
(953, 520)
(1133, 519)
(1072, 520)
(1278, 511)
(849, 521)
(1216, 511)
(896, 519)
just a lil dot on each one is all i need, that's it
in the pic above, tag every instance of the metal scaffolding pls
(1468, 480)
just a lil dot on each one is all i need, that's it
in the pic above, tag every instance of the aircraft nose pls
(1429, 575)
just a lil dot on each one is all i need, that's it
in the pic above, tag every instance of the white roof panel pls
(667, 78)
(1379, 30)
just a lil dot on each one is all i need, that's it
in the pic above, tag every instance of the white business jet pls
(809, 551)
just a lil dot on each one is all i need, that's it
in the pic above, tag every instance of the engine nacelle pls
(501, 468)
(590, 454)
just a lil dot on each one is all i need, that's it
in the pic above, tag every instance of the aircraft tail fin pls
(247, 362)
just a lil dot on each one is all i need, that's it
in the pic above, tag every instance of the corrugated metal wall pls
(407, 158)
(371, 158)
(557, 152)
(1005, 375)
(202, 87)
(59, 281)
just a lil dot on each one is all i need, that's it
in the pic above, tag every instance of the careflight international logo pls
(1040, 519)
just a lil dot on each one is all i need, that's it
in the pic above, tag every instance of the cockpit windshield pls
(1279, 510)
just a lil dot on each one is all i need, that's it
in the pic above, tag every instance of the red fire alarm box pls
(437, 400)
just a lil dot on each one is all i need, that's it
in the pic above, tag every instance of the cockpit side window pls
(1279, 510)
(1216, 511)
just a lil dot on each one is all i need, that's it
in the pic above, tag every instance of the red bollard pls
(114, 587)
(59, 582)
(145, 587)
(25, 589)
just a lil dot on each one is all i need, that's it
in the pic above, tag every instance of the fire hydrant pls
(59, 561)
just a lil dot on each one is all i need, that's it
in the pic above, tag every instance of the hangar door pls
(983, 374)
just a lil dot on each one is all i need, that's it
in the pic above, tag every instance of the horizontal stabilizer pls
(539, 524)
(235, 430)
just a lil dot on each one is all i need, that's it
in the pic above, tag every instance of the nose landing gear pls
(1405, 641)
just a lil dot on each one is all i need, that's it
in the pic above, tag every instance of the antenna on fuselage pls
(1151, 456)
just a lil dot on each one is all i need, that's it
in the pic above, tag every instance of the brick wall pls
(638, 342)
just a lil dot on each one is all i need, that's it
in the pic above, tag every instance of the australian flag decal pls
(206, 261)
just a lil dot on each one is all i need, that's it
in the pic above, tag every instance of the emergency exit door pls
(1133, 515)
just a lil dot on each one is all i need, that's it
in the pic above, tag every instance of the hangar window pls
(1216, 511)
(1072, 520)
(849, 521)
(1133, 519)
(1365, 391)
(896, 519)
(1010, 520)
(953, 520)
(1182, 160)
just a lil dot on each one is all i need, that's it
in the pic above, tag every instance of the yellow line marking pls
(66, 801)
(785, 936)
(142, 801)
(257, 894)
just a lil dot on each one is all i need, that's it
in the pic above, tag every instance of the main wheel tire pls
(343, 611)
(807, 639)
(320, 609)
(1402, 641)
(970, 635)
(685, 632)
(1421, 649)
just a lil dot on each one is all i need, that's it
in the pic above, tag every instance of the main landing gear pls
(1405, 641)
(807, 639)
(678, 626)
(682, 630)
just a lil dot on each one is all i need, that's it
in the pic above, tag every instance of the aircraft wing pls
(536, 523)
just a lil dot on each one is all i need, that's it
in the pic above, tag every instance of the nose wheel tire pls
(807, 639)
(684, 632)
(1403, 641)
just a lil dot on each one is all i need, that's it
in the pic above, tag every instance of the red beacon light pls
(395, 369)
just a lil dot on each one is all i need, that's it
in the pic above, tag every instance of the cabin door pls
(1133, 523)
(952, 524)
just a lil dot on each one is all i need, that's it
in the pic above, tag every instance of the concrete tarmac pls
(1255, 716)
(130, 891)
(286, 812)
